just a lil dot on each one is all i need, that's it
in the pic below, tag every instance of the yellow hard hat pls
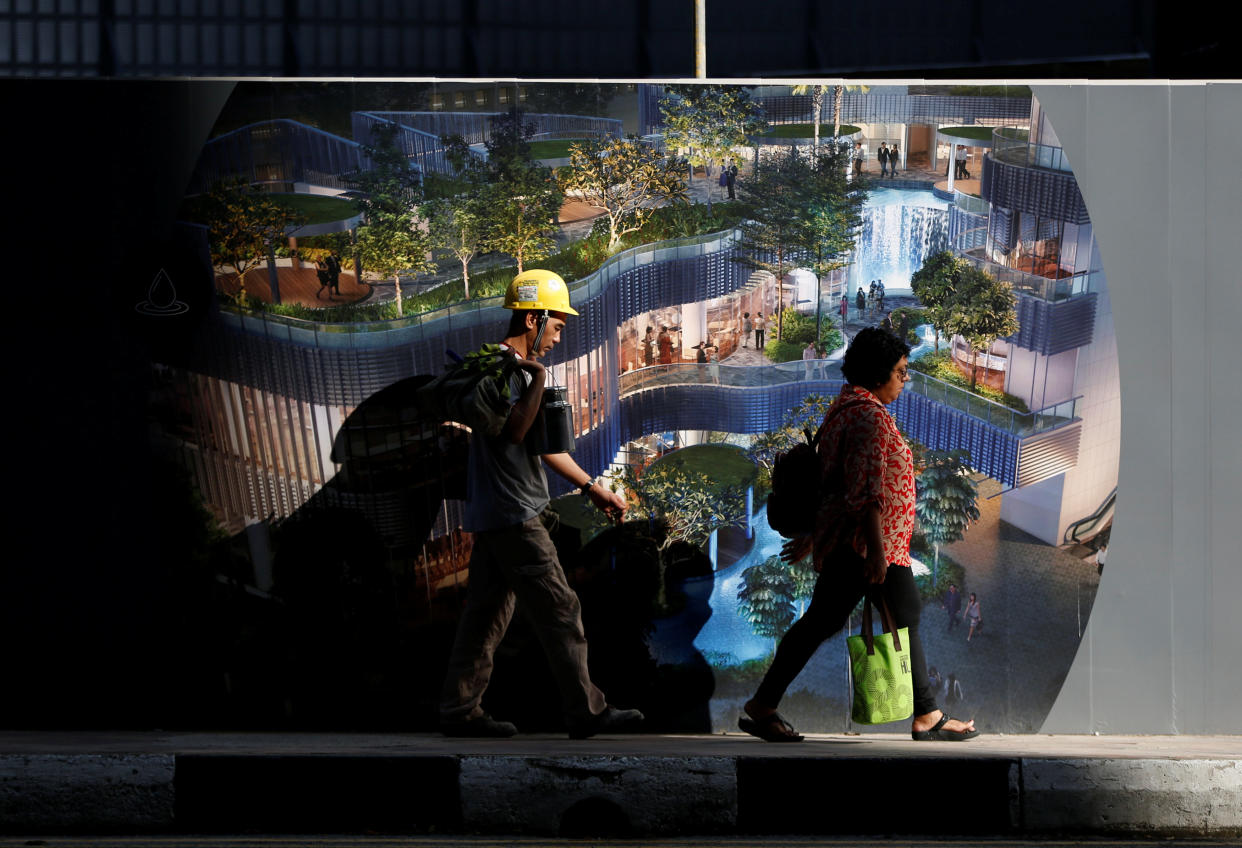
(539, 289)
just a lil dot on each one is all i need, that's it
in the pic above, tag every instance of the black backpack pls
(796, 488)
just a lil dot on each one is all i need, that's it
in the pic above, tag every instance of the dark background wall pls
(617, 38)
(94, 170)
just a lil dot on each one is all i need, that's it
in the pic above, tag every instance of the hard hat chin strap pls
(543, 324)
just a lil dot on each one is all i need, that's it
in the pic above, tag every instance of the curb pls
(616, 796)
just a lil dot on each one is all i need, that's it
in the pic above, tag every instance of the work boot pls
(483, 726)
(611, 719)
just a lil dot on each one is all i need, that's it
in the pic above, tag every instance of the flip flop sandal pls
(769, 728)
(939, 734)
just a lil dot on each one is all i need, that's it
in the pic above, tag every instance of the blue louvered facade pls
(278, 360)
(1037, 191)
(1051, 327)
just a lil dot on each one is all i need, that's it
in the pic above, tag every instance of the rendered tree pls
(983, 310)
(838, 96)
(457, 224)
(706, 123)
(521, 225)
(626, 179)
(935, 285)
(947, 498)
(834, 217)
(818, 93)
(521, 200)
(242, 224)
(766, 598)
(391, 240)
(689, 503)
(773, 236)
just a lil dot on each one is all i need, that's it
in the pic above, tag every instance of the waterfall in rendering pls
(901, 228)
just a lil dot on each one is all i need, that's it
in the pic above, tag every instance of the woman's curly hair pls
(871, 357)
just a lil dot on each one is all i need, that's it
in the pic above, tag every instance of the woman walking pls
(861, 541)
(973, 615)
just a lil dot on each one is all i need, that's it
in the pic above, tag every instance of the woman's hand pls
(796, 549)
(875, 567)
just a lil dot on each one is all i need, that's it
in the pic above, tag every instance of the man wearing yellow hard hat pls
(513, 561)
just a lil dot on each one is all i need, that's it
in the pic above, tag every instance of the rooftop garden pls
(308, 208)
(556, 148)
(975, 132)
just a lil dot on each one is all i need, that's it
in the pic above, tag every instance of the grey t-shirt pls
(505, 483)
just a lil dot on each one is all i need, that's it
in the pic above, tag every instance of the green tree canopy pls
(984, 310)
(520, 199)
(766, 597)
(243, 223)
(458, 224)
(707, 123)
(801, 210)
(935, 285)
(626, 179)
(947, 499)
(392, 239)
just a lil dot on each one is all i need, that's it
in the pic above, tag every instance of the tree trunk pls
(935, 564)
(396, 278)
(780, 296)
(273, 275)
(465, 276)
(817, 103)
(974, 368)
(838, 95)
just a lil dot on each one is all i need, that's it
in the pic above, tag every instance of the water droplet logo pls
(162, 298)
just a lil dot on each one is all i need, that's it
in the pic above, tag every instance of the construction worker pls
(513, 560)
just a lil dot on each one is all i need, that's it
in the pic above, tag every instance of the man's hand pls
(534, 366)
(611, 503)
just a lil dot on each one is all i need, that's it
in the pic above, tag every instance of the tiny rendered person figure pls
(973, 615)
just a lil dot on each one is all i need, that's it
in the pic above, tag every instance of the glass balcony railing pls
(970, 203)
(1020, 424)
(1013, 147)
(735, 376)
(971, 244)
(466, 313)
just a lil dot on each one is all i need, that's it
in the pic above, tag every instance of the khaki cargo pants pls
(518, 564)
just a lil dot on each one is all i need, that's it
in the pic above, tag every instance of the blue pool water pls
(726, 638)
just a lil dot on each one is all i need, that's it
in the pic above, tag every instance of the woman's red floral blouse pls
(865, 461)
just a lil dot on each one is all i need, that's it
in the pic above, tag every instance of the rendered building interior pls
(1177, 532)
(281, 420)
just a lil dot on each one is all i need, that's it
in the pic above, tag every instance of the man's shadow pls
(358, 629)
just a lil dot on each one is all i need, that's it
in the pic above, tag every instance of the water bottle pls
(553, 428)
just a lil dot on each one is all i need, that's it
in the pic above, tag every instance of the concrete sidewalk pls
(727, 784)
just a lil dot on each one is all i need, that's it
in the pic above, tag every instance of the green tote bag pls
(880, 668)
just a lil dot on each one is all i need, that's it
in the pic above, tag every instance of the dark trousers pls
(517, 567)
(759, 339)
(841, 585)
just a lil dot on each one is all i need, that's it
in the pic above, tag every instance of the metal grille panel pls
(1048, 194)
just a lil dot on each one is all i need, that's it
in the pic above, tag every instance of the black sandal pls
(771, 728)
(939, 734)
